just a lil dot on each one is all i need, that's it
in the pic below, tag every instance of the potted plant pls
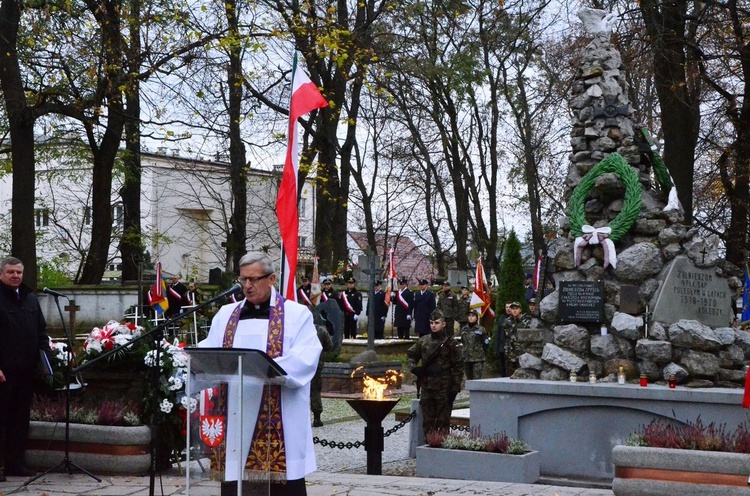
(672, 458)
(469, 456)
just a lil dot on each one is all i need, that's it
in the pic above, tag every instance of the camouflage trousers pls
(316, 386)
(436, 410)
(473, 370)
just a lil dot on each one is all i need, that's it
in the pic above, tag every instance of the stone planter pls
(99, 449)
(675, 472)
(477, 465)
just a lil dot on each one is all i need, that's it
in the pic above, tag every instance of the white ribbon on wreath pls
(594, 236)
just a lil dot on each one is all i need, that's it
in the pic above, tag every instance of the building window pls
(117, 215)
(302, 241)
(87, 216)
(42, 217)
(302, 207)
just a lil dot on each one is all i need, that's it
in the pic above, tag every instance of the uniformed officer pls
(475, 341)
(437, 361)
(513, 349)
(304, 294)
(464, 300)
(351, 305)
(447, 302)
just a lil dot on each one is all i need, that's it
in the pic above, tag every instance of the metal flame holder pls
(373, 412)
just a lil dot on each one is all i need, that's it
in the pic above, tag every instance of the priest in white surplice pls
(283, 329)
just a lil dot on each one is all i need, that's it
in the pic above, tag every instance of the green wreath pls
(633, 194)
(660, 168)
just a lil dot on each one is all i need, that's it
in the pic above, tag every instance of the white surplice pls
(299, 359)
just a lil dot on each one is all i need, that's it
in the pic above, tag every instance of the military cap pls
(515, 304)
(351, 280)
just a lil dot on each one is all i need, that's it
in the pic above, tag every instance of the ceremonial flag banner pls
(157, 294)
(315, 283)
(538, 272)
(305, 98)
(481, 299)
(746, 298)
(390, 276)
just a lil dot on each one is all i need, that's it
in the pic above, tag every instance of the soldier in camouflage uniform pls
(513, 349)
(437, 361)
(447, 302)
(464, 300)
(316, 386)
(475, 341)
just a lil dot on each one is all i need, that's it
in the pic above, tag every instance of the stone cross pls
(610, 111)
(72, 308)
(703, 252)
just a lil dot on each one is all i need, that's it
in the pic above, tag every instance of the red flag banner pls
(390, 277)
(481, 299)
(304, 99)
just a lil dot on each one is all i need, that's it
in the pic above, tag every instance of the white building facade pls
(186, 205)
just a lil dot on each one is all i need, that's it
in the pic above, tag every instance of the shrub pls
(692, 435)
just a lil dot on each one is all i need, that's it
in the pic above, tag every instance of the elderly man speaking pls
(283, 329)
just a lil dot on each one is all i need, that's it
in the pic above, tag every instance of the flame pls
(375, 387)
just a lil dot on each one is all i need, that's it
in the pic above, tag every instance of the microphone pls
(54, 293)
(229, 291)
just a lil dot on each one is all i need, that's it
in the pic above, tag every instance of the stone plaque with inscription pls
(581, 301)
(689, 292)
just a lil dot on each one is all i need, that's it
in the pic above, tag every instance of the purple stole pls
(267, 455)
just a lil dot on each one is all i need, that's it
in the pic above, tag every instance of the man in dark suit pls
(404, 301)
(175, 293)
(304, 294)
(380, 310)
(424, 304)
(22, 335)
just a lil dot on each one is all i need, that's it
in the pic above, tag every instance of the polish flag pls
(305, 98)
(481, 299)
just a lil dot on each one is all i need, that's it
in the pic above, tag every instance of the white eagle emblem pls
(212, 429)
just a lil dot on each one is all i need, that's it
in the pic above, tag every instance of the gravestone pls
(581, 301)
(688, 292)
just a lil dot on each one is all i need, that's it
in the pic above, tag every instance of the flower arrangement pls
(692, 436)
(114, 334)
(60, 358)
(171, 406)
(474, 441)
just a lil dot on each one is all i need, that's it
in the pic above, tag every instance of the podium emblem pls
(213, 428)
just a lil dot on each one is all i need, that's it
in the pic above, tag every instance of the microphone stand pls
(157, 334)
(66, 462)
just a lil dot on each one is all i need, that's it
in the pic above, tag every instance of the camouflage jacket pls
(463, 308)
(448, 304)
(474, 340)
(445, 370)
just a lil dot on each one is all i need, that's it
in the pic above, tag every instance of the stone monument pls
(667, 295)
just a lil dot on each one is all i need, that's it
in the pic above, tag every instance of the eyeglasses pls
(252, 280)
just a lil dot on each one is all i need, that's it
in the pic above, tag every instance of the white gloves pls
(382, 318)
(408, 317)
(356, 318)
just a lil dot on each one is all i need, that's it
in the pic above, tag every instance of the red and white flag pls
(305, 98)
(481, 299)
(390, 276)
(538, 272)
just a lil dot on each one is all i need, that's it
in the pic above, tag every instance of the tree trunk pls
(236, 245)
(131, 243)
(21, 123)
(678, 90)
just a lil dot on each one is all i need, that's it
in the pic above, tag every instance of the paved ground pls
(340, 472)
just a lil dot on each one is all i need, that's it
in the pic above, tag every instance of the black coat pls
(400, 312)
(424, 305)
(23, 331)
(175, 301)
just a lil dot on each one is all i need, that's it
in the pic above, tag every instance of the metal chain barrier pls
(398, 426)
(358, 444)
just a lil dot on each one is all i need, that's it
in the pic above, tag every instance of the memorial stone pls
(692, 293)
(581, 301)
